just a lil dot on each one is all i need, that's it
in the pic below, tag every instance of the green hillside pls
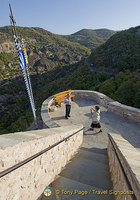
(125, 88)
(120, 52)
(15, 109)
(45, 50)
(90, 38)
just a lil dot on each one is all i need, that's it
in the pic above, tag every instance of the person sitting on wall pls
(67, 102)
(95, 114)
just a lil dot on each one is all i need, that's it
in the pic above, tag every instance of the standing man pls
(67, 102)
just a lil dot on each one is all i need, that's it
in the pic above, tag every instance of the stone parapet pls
(96, 96)
(125, 111)
(47, 122)
(29, 180)
(124, 164)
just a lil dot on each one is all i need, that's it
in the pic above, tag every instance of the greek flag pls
(21, 59)
(20, 54)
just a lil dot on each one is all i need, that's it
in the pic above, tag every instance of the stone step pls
(68, 189)
(93, 154)
(89, 168)
(88, 171)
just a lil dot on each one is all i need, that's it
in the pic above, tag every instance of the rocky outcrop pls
(45, 51)
(6, 43)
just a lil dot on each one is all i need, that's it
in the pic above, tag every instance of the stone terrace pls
(89, 169)
(80, 114)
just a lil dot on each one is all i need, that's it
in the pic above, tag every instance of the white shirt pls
(66, 101)
(95, 116)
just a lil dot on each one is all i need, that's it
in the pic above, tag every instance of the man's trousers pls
(68, 107)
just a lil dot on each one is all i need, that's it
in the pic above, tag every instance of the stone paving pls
(80, 114)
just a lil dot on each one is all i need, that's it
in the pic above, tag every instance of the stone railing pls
(124, 164)
(29, 180)
(124, 111)
(47, 122)
(96, 96)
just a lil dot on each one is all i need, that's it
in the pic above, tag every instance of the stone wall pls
(29, 181)
(125, 111)
(96, 96)
(47, 122)
(124, 164)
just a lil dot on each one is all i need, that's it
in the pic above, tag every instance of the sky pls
(69, 16)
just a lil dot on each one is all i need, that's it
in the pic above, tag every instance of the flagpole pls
(13, 22)
(22, 65)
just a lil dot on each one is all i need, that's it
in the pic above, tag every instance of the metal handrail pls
(7, 171)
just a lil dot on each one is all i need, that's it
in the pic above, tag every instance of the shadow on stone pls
(88, 115)
(127, 128)
(58, 118)
(90, 167)
(96, 133)
(85, 102)
(95, 150)
(45, 111)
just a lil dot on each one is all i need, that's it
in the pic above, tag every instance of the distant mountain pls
(120, 52)
(90, 38)
(45, 50)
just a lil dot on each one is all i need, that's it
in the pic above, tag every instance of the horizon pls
(65, 18)
(70, 33)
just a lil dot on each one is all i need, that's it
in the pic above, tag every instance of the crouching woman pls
(95, 114)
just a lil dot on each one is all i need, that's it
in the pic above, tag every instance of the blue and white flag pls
(20, 54)
(24, 53)
(21, 58)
